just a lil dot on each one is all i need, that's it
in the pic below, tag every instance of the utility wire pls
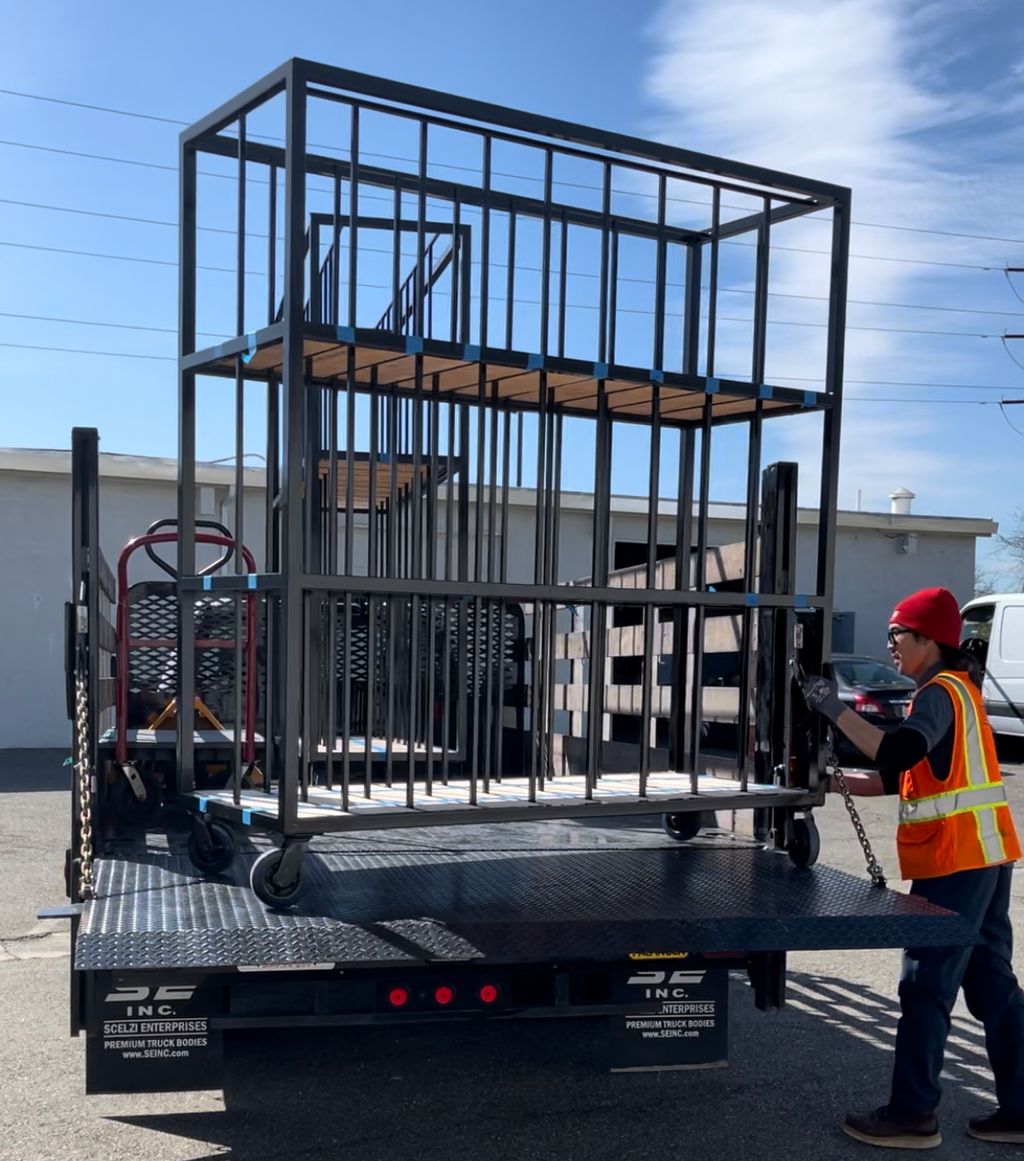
(520, 177)
(525, 268)
(367, 197)
(781, 379)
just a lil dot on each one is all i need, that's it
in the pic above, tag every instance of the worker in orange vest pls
(957, 843)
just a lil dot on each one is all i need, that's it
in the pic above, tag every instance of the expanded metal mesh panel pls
(489, 642)
(515, 905)
(153, 616)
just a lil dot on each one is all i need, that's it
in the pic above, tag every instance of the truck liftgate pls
(358, 755)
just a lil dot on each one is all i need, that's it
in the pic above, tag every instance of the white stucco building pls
(879, 558)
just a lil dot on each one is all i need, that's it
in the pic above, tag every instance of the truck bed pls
(508, 892)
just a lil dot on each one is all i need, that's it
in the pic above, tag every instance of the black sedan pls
(874, 688)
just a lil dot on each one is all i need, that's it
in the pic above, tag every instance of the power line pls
(780, 379)
(173, 359)
(635, 193)
(167, 223)
(732, 242)
(518, 301)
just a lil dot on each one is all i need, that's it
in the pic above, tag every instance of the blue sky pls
(916, 104)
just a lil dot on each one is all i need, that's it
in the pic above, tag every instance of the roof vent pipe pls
(900, 502)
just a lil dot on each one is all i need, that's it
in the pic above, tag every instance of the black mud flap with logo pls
(678, 1016)
(153, 1036)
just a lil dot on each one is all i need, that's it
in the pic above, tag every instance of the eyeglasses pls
(894, 635)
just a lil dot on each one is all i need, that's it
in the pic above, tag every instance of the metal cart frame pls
(411, 419)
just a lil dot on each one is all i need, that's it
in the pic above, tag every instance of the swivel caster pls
(211, 847)
(805, 842)
(134, 794)
(683, 826)
(276, 876)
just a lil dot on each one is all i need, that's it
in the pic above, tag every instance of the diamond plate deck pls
(528, 893)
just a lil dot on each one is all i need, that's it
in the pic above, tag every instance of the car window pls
(978, 623)
(866, 671)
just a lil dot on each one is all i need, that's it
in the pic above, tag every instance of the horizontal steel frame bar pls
(320, 165)
(520, 593)
(436, 348)
(601, 141)
(437, 816)
(255, 95)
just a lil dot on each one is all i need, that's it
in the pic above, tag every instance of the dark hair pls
(953, 657)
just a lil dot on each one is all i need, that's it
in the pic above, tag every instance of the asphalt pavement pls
(511, 1091)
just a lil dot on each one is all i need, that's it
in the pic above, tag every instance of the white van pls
(995, 627)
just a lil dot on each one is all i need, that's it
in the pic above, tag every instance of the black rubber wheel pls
(220, 853)
(683, 826)
(261, 879)
(805, 843)
(124, 805)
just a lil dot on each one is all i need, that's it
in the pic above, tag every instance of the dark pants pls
(931, 978)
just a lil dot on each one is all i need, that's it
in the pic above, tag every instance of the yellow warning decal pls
(642, 955)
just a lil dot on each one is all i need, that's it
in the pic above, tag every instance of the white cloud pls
(850, 92)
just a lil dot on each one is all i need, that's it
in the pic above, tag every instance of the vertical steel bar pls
(485, 243)
(510, 277)
(563, 283)
(421, 237)
(272, 563)
(650, 615)
(239, 530)
(333, 315)
(545, 261)
(187, 207)
(293, 747)
(396, 262)
(272, 246)
(462, 640)
(331, 672)
(353, 220)
(599, 572)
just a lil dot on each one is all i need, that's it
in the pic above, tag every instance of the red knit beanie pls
(933, 613)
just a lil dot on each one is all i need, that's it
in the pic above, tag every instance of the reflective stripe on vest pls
(953, 802)
(977, 772)
(983, 796)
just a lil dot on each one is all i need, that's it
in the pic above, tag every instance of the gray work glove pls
(822, 695)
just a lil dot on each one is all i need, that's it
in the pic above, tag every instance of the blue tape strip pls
(534, 362)
(657, 376)
(207, 583)
(246, 818)
(810, 398)
(247, 356)
(712, 387)
(752, 599)
(413, 344)
(203, 804)
(801, 602)
(600, 370)
(251, 580)
(345, 334)
(471, 353)
(765, 391)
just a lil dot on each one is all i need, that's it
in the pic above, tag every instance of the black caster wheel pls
(213, 852)
(683, 826)
(129, 807)
(267, 889)
(805, 842)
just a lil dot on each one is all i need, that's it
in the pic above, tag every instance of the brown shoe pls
(1001, 1127)
(893, 1130)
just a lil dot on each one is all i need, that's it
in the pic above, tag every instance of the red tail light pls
(443, 995)
(398, 997)
(867, 705)
(489, 994)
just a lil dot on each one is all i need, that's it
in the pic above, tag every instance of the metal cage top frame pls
(400, 357)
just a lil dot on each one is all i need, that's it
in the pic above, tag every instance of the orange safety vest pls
(964, 822)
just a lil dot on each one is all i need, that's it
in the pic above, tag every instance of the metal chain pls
(86, 887)
(874, 866)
